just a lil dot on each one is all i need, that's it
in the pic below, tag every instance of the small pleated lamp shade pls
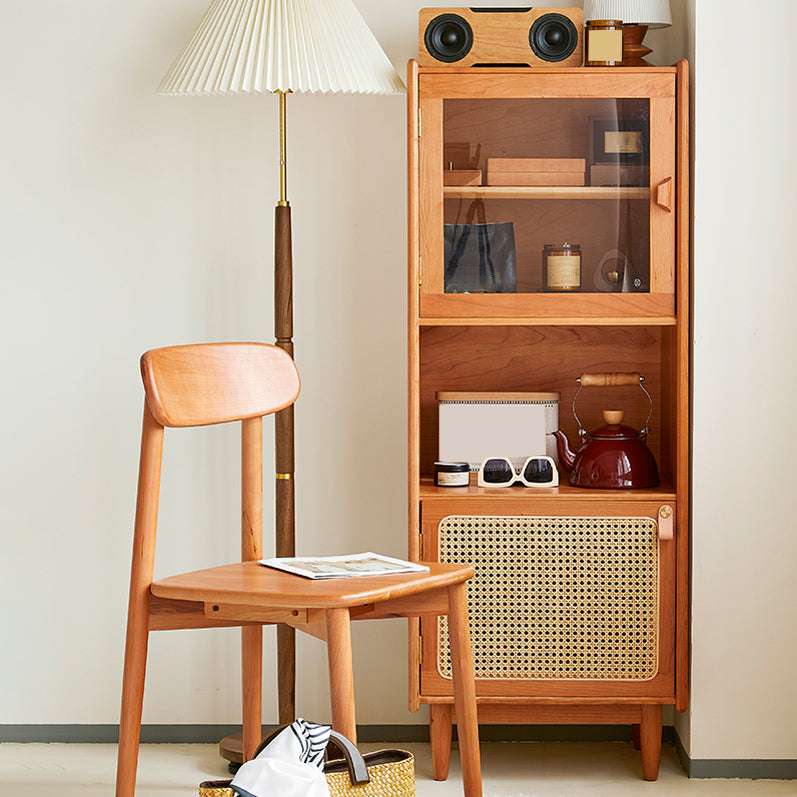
(653, 13)
(259, 46)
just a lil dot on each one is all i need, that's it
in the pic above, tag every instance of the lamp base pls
(634, 51)
(232, 748)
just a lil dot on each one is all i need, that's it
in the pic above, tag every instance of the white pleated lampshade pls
(653, 13)
(259, 46)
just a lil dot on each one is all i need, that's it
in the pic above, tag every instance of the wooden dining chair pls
(217, 383)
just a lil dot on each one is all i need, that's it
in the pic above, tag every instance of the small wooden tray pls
(462, 177)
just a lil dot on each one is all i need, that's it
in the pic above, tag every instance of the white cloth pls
(291, 765)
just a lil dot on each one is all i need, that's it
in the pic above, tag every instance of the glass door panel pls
(546, 195)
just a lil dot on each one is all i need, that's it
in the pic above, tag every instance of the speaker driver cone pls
(448, 38)
(553, 37)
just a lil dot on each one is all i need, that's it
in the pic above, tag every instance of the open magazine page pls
(349, 566)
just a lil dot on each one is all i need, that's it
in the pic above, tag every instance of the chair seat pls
(253, 584)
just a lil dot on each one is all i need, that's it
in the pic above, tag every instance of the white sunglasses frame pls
(518, 475)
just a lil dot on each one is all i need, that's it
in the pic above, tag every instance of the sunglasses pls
(536, 472)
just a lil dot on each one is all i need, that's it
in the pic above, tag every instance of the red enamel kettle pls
(614, 456)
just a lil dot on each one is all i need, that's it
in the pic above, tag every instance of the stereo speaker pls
(501, 37)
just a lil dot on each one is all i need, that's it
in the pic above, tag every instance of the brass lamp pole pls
(284, 492)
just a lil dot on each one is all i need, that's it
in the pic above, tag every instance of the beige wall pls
(745, 533)
(131, 221)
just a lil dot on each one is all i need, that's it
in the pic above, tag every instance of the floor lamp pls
(282, 46)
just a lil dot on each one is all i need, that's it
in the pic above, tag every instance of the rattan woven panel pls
(557, 598)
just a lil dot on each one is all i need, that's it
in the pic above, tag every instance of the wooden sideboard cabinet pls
(579, 606)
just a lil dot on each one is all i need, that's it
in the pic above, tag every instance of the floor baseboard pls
(732, 768)
(722, 768)
(209, 734)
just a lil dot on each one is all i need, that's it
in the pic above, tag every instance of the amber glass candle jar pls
(604, 42)
(561, 267)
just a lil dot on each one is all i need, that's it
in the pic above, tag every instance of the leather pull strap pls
(358, 771)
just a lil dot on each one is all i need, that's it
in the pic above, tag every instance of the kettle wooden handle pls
(609, 379)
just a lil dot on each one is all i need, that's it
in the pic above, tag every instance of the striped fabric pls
(290, 765)
(312, 740)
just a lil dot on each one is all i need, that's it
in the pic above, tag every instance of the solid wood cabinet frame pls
(536, 341)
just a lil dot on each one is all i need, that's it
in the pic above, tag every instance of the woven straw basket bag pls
(384, 773)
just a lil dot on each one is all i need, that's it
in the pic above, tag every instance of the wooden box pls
(462, 177)
(536, 171)
(618, 174)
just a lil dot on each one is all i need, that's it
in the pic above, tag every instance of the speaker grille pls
(448, 38)
(557, 598)
(553, 37)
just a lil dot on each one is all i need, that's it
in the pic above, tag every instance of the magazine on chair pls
(348, 566)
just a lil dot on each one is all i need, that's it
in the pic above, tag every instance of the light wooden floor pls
(525, 769)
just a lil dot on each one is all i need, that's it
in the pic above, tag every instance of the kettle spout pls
(567, 456)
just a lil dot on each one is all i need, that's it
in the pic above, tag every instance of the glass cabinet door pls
(542, 196)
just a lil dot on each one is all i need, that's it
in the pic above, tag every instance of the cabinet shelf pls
(428, 490)
(576, 308)
(545, 192)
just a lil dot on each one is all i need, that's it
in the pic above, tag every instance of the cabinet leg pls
(440, 717)
(650, 740)
(635, 733)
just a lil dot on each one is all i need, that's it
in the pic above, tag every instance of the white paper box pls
(515, 425)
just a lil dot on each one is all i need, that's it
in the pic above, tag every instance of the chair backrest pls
(199, 385)
(209, 383)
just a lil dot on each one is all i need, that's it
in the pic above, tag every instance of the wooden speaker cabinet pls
(510, 36)
(579, 606)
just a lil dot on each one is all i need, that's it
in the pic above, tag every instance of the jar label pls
(453, 479)
(564, 271)
(605, 45)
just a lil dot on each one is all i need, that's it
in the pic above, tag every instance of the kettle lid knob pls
(613, 417)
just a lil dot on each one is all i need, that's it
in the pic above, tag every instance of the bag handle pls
(355, 763)
(358, 770)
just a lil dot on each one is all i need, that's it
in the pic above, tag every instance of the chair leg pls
(252, 683)
(135, 667)
(440, 738)
(341, 675)
(464, 690)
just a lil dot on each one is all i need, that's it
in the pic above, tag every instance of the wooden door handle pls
(664, 194)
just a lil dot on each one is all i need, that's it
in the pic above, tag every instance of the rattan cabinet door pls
(577, 604)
